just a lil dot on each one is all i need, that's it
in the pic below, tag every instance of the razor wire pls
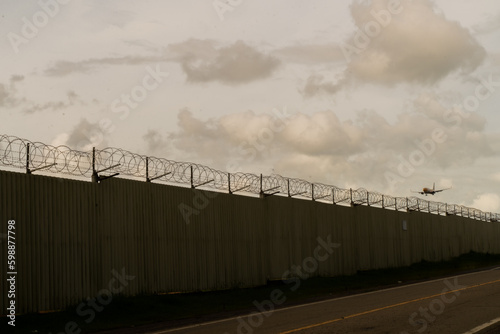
(32, 156)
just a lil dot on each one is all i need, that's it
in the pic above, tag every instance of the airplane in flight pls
(428, 191)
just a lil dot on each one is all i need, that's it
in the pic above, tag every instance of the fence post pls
(261, 191)
(28, 159)
(312, 191)
(192, 184)
(147, 170)
(229, 182)
(95, 177)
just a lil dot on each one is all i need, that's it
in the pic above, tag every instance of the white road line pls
(321, 302)
(483, 326)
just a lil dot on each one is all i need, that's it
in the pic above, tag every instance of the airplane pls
(429, 191)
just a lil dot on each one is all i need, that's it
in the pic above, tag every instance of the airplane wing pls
(417, 192)
(436, 191)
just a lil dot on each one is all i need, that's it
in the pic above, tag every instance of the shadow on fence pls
(109, 162)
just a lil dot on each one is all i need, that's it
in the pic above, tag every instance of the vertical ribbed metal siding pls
(72, 234)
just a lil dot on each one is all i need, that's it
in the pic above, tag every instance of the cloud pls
(63, 68)
(205, 140)
(16, 78)
(418, 45)
(72, 99)
(201, 61)
(236, 63)
(310, 53)
(176, 52)
(5, 96)
(247, 141)
(494, 58)
(83, 137)
(317, 85)
(322, 133)
(9, 98)
(488, 202)
(193, 47)
(496, 177)
(8, 93)
(490, 25)
(156, 144)
(330, 150)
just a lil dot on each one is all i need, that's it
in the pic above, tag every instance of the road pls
(458, 304)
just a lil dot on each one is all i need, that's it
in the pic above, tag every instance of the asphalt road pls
(456, 304)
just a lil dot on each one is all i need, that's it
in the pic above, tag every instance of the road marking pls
(483, 326)
(385, 307)
(319, 302)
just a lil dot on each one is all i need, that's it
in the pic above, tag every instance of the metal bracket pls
(229, 185)
(95, 173)
(107, 168)
(297, 194)
(239, 189)
(29, 171)
(193, 186)
(321, 197)
(263, 193)
(149, 179)
(201, 184)
(102, 178)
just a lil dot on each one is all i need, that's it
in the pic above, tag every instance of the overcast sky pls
(385, 95)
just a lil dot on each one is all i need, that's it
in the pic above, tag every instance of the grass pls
(188, 308)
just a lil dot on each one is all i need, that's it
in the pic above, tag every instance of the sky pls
(390, 96)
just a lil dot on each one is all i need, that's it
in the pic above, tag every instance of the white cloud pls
(487, 202)
(330, 150)
(418, 45)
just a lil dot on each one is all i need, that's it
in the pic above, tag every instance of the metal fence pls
(109, 162)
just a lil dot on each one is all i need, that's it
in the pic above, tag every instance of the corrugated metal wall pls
(70, 235)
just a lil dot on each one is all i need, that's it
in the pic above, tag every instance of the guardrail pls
(36, 156)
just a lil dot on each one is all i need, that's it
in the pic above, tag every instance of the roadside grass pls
(189, 308)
